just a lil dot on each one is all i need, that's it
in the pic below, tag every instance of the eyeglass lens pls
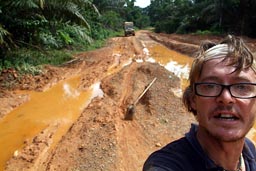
(240, 90)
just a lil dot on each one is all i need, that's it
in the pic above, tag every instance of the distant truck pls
(129, 29)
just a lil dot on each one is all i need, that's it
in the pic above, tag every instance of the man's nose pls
(225, 96)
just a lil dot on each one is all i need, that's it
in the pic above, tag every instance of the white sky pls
(142, 3)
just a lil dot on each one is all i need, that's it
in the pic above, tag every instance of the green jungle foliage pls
(37, 32)
(216, 16)
(33, 31)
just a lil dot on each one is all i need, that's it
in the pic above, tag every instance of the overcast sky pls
(142, 3)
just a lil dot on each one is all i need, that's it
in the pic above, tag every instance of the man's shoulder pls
(177, 146)
(177, 155)
(249, 148)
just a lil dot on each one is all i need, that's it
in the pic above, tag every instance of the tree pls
(44, 19)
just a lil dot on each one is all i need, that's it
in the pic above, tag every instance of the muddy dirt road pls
(98, 137)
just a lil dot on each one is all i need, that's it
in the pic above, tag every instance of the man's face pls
(225, 117)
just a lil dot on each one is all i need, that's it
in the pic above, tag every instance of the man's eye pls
(242, 87)
(209, 86)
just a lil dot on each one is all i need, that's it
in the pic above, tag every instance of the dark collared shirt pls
(186, 154)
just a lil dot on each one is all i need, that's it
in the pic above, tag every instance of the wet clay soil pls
(101, 139)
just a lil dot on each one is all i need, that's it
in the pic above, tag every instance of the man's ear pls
(193, 101)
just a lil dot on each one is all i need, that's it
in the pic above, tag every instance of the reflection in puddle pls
(152, 60)
(181, 71)
(61, 105)
(96, 91)
(69, 91)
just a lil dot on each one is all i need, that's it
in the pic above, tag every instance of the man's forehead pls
(213, 67)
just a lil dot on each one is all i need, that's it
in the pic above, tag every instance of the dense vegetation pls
(35, 32)
(214, 16)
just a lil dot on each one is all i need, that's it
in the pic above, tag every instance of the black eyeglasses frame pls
(223, 86)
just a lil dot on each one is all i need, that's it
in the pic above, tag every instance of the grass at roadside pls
(30, 60)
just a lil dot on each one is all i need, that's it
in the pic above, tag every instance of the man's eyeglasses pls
(239, 90)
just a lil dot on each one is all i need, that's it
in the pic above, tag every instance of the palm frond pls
(41, 4)
(78, 32)
(75, 10)
(24, 4)
(3, 34)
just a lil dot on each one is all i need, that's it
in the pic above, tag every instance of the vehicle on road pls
(129, 29)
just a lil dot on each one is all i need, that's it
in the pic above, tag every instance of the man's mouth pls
(226, 117)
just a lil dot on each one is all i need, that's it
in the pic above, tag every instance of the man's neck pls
(224, 154)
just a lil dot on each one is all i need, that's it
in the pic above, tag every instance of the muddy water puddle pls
(60, 105)
(173, 61)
